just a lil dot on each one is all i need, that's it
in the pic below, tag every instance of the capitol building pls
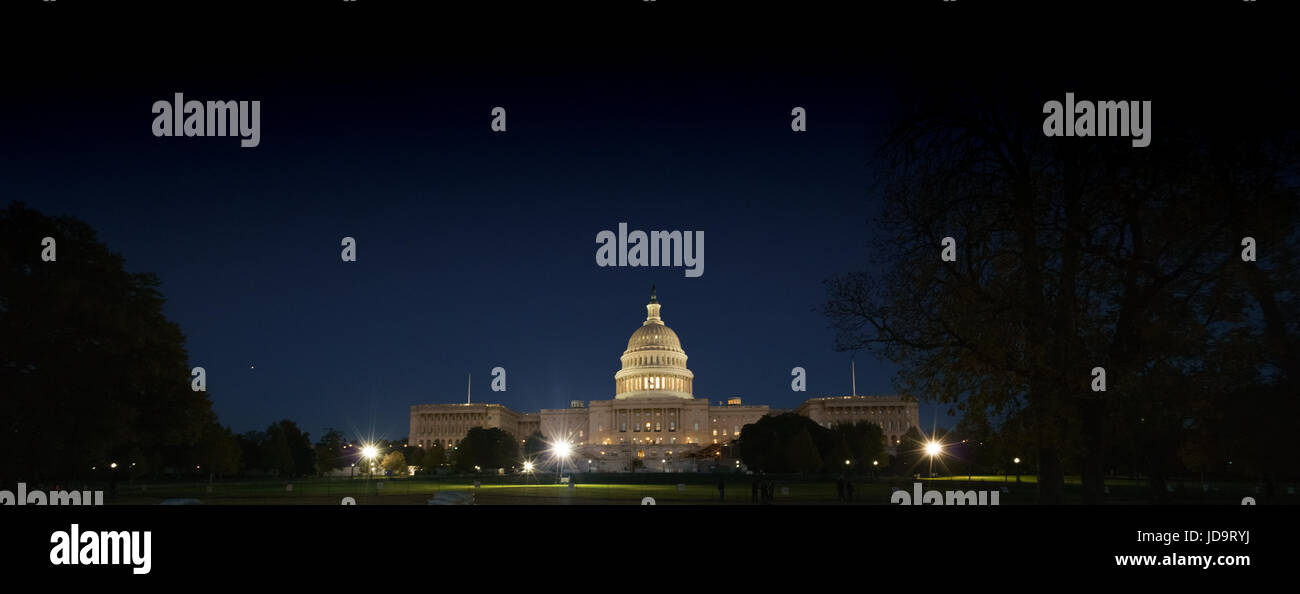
(654, 416)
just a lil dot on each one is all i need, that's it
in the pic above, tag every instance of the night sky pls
(475, 249)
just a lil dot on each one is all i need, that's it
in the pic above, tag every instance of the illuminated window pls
(697, 426)
(715, 434)
(672, 426)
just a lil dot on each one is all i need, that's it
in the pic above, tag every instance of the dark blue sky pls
(475, 249)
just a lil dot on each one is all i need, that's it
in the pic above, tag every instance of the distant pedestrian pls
(839, 488)
(753, 491)
(848, 490)
(722, 490)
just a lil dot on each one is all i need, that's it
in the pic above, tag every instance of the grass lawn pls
(697, 490)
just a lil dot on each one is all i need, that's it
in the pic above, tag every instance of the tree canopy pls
(91, 370)
(487, 449)
(1081, 254)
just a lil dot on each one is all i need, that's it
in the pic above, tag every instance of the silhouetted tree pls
(535, 445)
(777, 444)
(1072, 255)
(90, 369)
(330, 454)
(486, 448)
(859, 443)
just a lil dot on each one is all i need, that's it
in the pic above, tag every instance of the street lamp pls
(561, 450)
(369, 452)
(932, 449)
(1017, 461)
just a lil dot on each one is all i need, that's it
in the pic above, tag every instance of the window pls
(715, 434)
(697, 426)
(672, 426)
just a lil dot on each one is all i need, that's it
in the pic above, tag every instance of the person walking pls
(753, 491)
(848, 490)
(722, 490)
(839, 488)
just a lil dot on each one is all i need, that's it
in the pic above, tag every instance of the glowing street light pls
(528, 466)
(932, 449)
(561, 450)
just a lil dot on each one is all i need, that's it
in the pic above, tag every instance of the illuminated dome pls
(654, 364)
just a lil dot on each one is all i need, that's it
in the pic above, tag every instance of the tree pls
(277, 454)
(251, 450)
(394, 462)
(91, 371)
(535, 445)
(435, 456)
(801, 455)
(217, 452)
(860, 443)
(1070, 256)
(777, 444)
(330, 454)
(487, 449)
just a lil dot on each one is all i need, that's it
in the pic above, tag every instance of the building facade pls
(654, 421)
